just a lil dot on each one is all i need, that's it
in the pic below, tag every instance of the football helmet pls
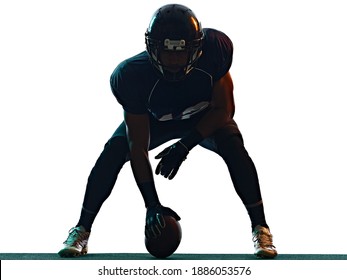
(174, 28)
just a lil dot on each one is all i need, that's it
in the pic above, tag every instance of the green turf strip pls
(144, 256)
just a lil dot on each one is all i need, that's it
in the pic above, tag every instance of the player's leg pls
(242, 172)
(103, 178)
(99, 186)
(230, 147)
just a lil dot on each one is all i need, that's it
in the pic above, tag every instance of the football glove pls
(155, 220)
(171, 160)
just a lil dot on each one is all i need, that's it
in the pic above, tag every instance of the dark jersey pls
(139, 89)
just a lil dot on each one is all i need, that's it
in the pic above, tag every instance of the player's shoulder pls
(132, 65)
(131, 76)
(212, 33)
(132, 72)
(217, 53)
(216, 39)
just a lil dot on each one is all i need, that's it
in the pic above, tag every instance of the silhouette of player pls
(178, 88)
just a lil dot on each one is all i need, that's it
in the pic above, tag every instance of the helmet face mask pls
(174, 29)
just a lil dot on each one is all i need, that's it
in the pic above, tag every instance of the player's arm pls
(138, 139)
(138, 134)
(222, 107)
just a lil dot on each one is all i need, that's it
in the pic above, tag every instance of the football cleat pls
(263, 246)
(76, 244)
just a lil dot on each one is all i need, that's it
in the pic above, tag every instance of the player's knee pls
(118, 145)
(228, 140)
(229, 145)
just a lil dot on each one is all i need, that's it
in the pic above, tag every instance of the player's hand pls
(171, 160)
(155, 220)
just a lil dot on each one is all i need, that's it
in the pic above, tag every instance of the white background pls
(57, 111)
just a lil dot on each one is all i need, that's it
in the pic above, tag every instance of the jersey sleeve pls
(219, 52)
(124, 87)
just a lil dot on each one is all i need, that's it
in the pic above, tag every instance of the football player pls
(179, 88)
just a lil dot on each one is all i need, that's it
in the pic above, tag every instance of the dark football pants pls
(225, 142)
